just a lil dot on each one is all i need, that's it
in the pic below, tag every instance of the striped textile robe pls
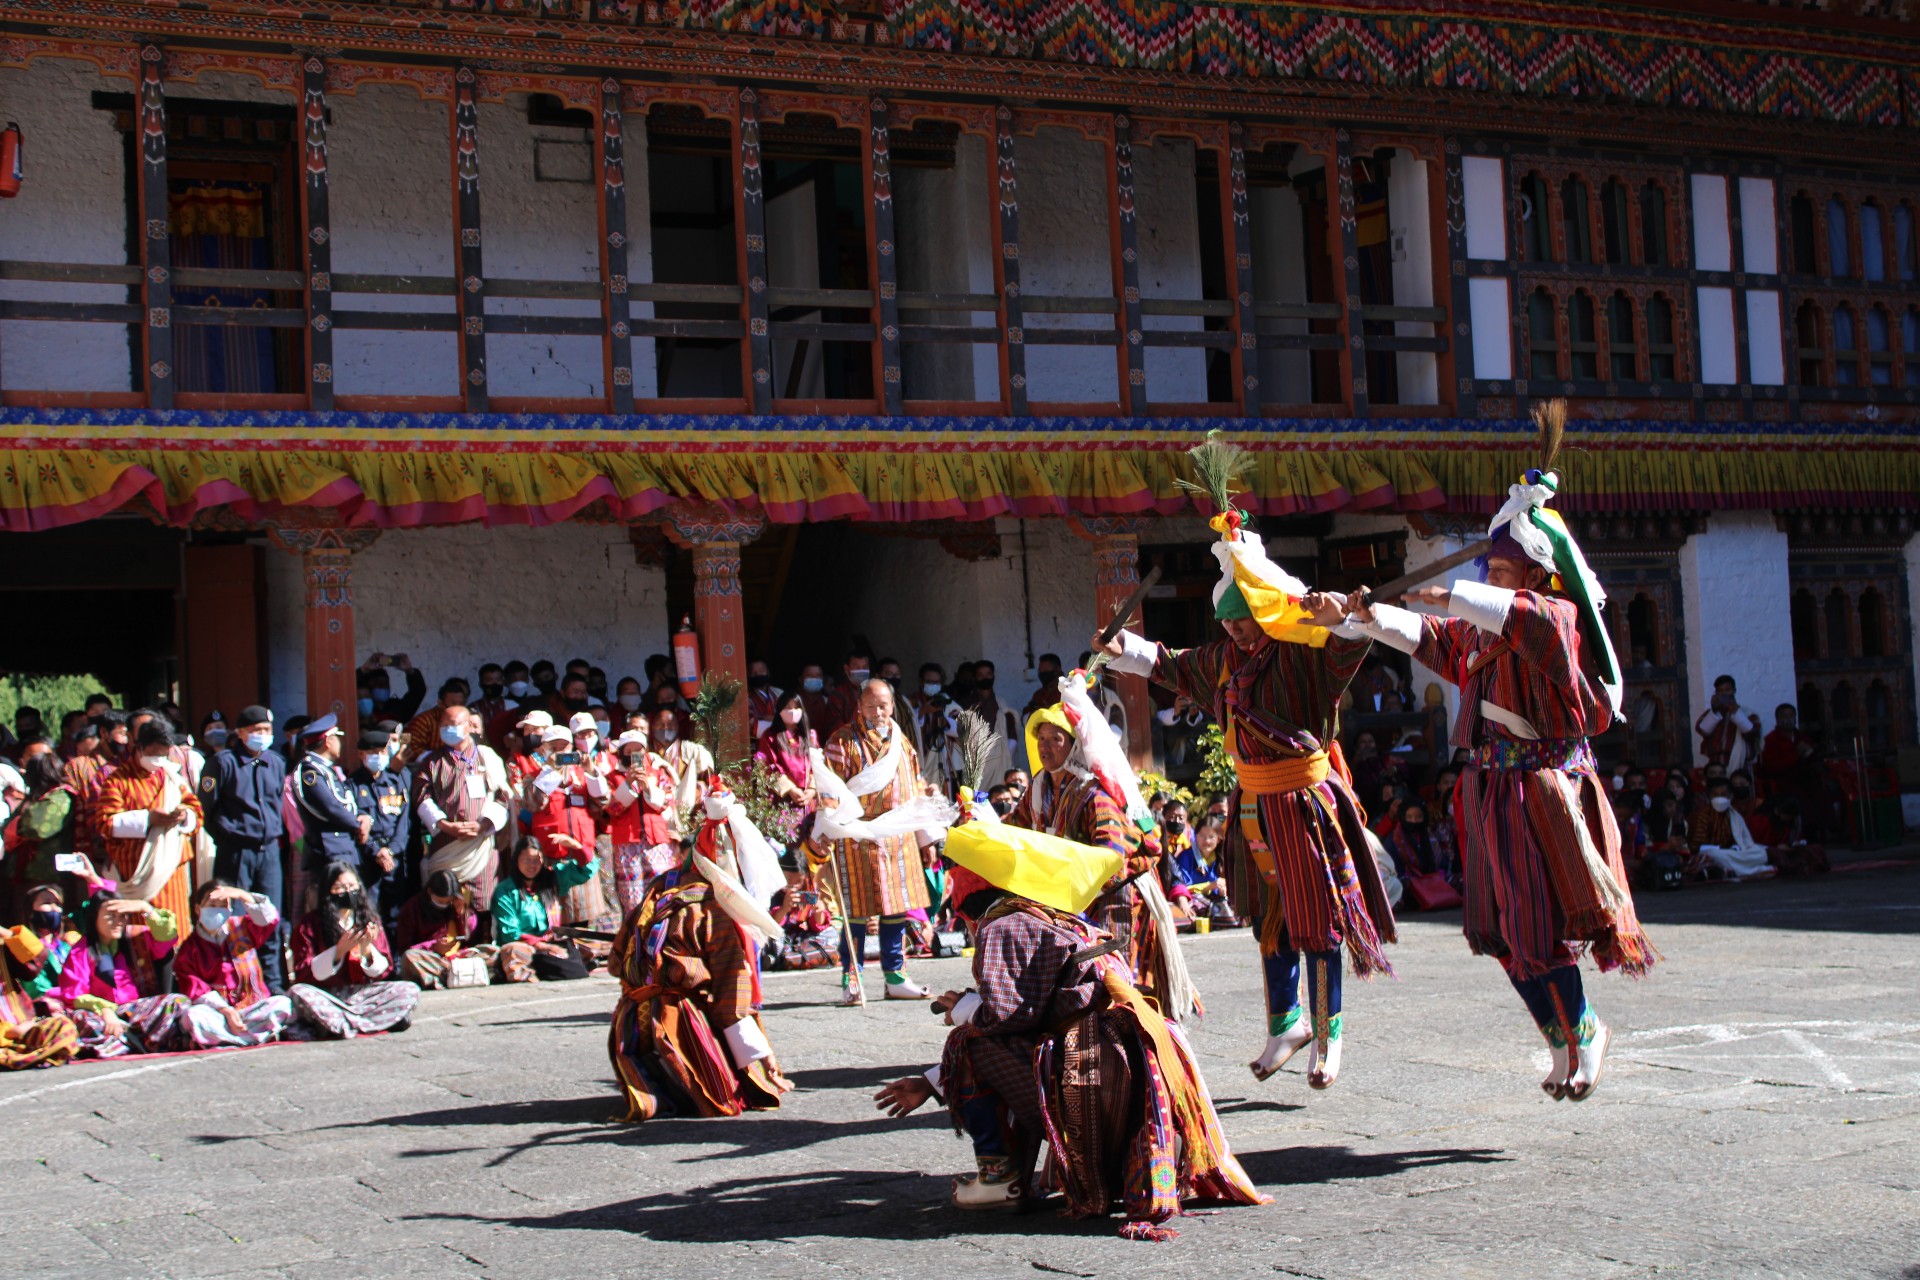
(1539, 845)
(132, 789)
(884, 878)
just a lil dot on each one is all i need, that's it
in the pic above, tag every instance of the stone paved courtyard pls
(1759, 1118)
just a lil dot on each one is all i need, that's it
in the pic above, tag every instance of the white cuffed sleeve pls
(1137, 655)
(747, 1042)
(1393, 626)
(261, 911)
(189, 821)
(431, 814)
(623, 795)
(934, 1077)
(131, 825)
(965, 1007)
(1484, 606)
(323, 964)
(374, 965)
(597, 786)
(494, 814)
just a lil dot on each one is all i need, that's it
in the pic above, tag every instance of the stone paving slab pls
(1759, 1118)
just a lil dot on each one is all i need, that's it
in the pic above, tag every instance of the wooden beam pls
(1006, 266)
(156, 250)
(882, 262)
(315, 191)
(470, 297)
(749, 189)
(1236, 205)
(1343, 242)
(1123, 237)
(616, 325)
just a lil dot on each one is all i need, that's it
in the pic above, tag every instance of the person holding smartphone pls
(341, 962)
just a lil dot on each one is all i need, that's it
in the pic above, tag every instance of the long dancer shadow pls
(1296, 1166)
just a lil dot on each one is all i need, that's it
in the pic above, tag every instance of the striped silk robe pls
(884, 878)
(1538, 841)
(1280, 703)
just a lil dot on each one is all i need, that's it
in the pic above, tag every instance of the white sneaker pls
(906, 988)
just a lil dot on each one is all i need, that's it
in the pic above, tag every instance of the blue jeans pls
(893, 945)
(256, 868)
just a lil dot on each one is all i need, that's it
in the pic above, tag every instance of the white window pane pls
(1764, 360)
(1492, 328)
(1484, 186)
(1759, 235)
(1718, 363)
(1712, 249)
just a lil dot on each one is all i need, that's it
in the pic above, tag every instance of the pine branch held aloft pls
(1218, 465)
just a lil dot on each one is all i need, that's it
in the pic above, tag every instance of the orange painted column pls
(714, 537)
(1116, 573)
(326, 557)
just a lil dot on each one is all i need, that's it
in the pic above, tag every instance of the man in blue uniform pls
(335, 825)
(240, 791)
(380, 793)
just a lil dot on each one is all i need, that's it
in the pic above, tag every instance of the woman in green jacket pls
(526, 910)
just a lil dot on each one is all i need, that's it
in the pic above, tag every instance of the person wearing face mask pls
(240, 792)
(1720, 835)
(335, 825)
(642, 845)
(46, 919)
(628, 696)
(763, 697)
(115, 753)
(492, 701)
(978, 696)
(813, 688)
(146, 817)
(568, 796)
(422, 733)
(218, 969)
(380, 794)
(461, 797)
(437, 926)
(341, 960)
(1048, 671)
(935, 721)
(213, 734)
(843, 700)
(597, 685)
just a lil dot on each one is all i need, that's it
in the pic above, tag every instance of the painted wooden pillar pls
(314, 193)
(326, 555)
(1460, 305)
(156, 250)
(1013, 350)
(883, 262)
(1123, 236)
(1116, 551)
(1343, 239)
(615, 314)
(471, 294)
(749, 188)
(714, 537)
(1238, 234)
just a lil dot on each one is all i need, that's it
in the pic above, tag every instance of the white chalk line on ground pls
(104, 1077)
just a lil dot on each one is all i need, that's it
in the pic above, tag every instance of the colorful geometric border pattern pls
(59, 466)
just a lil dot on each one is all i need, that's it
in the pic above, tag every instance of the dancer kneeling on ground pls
(340, 955)
(526, 910)
(1056, 1042)
(110, 983)
(436, 928)
(686, 1036)
(219, 970)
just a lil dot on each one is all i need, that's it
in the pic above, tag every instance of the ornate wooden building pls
(694, 274)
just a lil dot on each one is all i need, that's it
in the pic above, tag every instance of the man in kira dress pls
(422, 732)
(1541, 851)
(884, 878)
(1069, 801)
(460, 795)
(1274, 686)
(148, 795)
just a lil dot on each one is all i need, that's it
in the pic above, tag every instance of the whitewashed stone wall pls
(452, 598)
(1733, 580)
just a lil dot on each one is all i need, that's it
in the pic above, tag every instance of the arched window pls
(1839, 625)
(1623, 348)
(1873, 248)
(1910, 344)
(1613, 221)
(1906, 252)
(1879, 347)
(1873, 624)
(1806, 261)
(1542, 338)
(1576, 219)
(1662, 354)
(1534, 210)
(1643, 630)
(1653, 225)
(1581, 341)
(1846, 347)
(1839, 243)
(1804, 613)
(1813, 366)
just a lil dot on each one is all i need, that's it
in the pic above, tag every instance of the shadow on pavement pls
(1881, 900)
(1295, 1166)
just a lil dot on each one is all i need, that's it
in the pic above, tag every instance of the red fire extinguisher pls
(686, 658)
(11, 172)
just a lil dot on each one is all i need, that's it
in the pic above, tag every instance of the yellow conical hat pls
(1062, 874)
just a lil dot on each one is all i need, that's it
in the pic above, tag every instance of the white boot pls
(1323, 1068)
(994, 1187)
(1590, 1057)
(851, 996)
(1280, 1049)
(1555, 1085)
(901, 987)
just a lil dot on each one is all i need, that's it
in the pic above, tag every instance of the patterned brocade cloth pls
(884, 878)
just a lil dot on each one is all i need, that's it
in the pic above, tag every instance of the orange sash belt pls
(1280, 777)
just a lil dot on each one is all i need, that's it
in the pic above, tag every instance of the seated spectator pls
(28, 1039)
(46, 917)
(435, 926)
(1176, 839)
(1016, 781)
(1666, 829)
(1387, 815)
(1197, 877)
(1002, 798)
(218, 968)
(110, 984)
(526, 911)
(1789, 850)
(1419, 848)
(44, 829)
(1720, 836)
(340, 958)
